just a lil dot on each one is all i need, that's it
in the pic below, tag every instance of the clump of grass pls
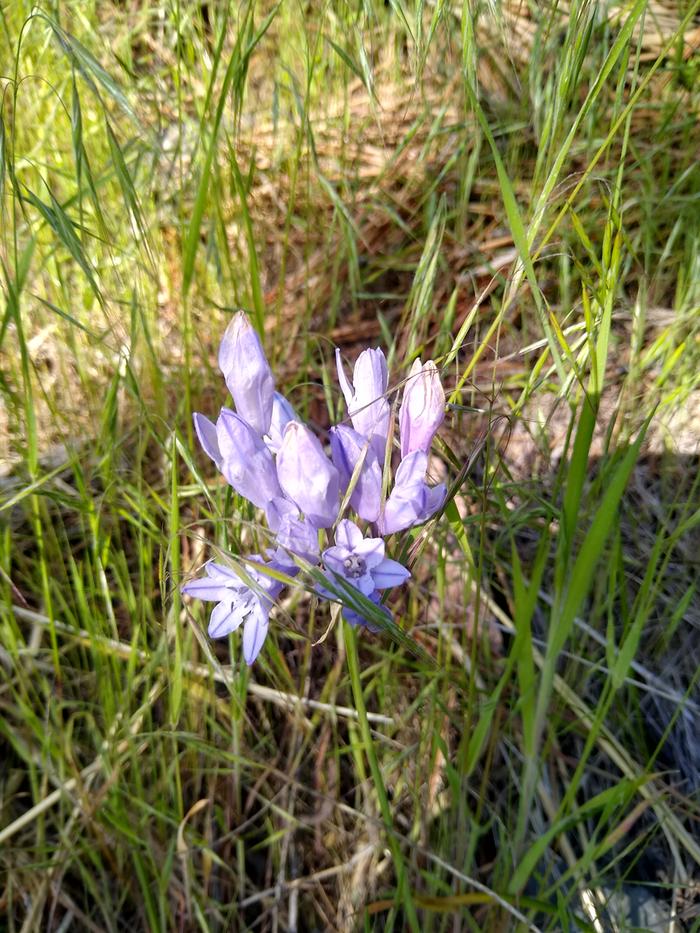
(513, 192)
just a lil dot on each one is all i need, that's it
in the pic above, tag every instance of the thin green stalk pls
(403, 888)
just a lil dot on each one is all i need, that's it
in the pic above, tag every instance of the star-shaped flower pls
(361, 562)
(237, 602)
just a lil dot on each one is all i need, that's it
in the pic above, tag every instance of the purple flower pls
(247, 373)
(422, 409)
(369, 411)
(360, 561)
(294, 534)
(246, 462)
(282, 414)
(238, 602)
(307, 476)
(347, 449)
(412, 501)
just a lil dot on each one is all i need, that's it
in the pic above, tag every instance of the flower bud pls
(422, 409)
(246, 462)
(369, 411)
(247, 373)
(307, 476)
(347, 449)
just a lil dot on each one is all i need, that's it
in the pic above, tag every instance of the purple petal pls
(247, 373)
(298, 536)
(365, 584)
(334, 559)
(371, 549)
(211, 591)
(370, 378)
(400, 513)
(220, 572)
(206, 432)
(412, 469)
(247, 464)
(282, 414)
(278, 509)
(347, 534)
(350, 449)
(340, 459)
(389, 573)
(254, 634)
(422, 408)
(307, 476)
(348, 390)
(434, 499)
(225, 618)
(369, 411)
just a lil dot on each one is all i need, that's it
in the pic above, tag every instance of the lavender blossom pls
(360, 561)
(278, 464)
(347, 449)
(246, 462)
(369, 411)
(307, 476)
(422, 409)
(237, 602)
(247, 373)
(412, 501)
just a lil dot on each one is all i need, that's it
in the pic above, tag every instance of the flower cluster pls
(270, 457)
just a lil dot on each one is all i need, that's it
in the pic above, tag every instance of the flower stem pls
(403, 888)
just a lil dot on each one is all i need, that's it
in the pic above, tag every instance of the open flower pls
(361, 562)
(247, 373)
(237, 602)
(369, 411)
(422, 408)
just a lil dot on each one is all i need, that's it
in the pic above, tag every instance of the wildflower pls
(369, 411)
(246, 462)
(307, 476)
(276, 462)
(422, 409)
(412, 501)
(238, 602)
(347, 449)
(247, 373)
(360, 561)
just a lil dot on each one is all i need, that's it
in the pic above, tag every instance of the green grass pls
(422, 177)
